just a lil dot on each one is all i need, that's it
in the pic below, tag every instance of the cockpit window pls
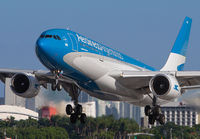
(58, 37)
(48, 36)
(41, 36)
(55, 37)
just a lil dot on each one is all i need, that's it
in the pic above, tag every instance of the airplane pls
(77, 63)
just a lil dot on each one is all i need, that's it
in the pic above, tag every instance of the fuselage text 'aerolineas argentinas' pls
(77, 63)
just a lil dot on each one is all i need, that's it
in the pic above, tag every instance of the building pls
(119, 110)
(30, 103)
(10, 97)
(84, 97)
(144, 119)
(47, 112)
(2, 99)
(19, 113)
(100, 107)
(180, 114)
(135, 113)
(89, 108)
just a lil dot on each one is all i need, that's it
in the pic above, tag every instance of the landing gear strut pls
(56, 85)
(154, 113)
(76, 112)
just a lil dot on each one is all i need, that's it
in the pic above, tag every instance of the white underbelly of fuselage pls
(98, 69)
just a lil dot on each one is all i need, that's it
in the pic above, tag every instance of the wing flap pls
(188, 79)
(133, 79)
(140, 79)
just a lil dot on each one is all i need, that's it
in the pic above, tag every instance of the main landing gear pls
(76, 112)
(154, 113)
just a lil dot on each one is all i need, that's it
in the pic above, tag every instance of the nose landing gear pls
(56, 85)
(154, 113)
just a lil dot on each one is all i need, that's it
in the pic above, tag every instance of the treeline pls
(105, 127)
(59, 127)
(179, 132)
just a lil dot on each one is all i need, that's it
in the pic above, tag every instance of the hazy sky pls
(143, 29)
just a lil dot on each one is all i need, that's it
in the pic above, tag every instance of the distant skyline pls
(145, 30)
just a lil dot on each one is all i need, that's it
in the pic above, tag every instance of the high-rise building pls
(30, 103)
(136, 113)
(89, 108)
(101, 107)
(144, 119)
(10, 97)
(2, 101)
(127, 109)
(115, 109)
(119, 110)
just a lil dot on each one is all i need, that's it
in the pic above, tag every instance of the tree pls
(44, 122)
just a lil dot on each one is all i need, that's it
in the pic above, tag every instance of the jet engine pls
(165, 86)
(25, 85)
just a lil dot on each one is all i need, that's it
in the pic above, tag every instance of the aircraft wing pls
(140, 79)
(43, 77)
(130, 79)
(188, 79)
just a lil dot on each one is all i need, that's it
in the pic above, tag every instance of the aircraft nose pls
(41, 45)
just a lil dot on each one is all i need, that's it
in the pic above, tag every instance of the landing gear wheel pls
(53, 86)
(76, 112)
(156, 110)
(147, 110)
(151, 119)
(59, 87)
(78, 109)
(161, 119)
(69, 109)
(154, 113)
(83, 118)
(73, 118)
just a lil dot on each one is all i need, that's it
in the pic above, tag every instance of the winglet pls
(176, 59)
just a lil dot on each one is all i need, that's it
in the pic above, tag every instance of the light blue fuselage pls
(51, 50)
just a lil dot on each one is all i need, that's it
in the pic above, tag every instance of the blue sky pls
(143, 29)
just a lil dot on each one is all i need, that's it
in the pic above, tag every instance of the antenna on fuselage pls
(68, 28)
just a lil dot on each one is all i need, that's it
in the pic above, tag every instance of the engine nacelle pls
(25, 85)
(165, 86)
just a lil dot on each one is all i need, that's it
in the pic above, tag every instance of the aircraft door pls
(73, 42)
